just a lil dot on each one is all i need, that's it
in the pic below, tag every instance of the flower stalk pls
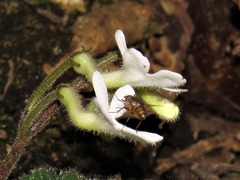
(46, 83)
(22, 140)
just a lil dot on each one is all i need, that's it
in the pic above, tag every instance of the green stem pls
(47, 82)
(31, 116)
(108, 59)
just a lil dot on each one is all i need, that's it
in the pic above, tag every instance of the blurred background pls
(199, 39)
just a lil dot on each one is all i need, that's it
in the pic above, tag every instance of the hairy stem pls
(35, 122)
(13, 156)
(23, 139)
(29, 118)
(108, 59)
(46, 84)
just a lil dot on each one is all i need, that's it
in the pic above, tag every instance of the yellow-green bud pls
(83, 63)
(167, 110)
(80, 118)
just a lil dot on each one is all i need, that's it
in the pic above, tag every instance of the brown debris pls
(3, 134)
(237, 3)
(70, 6)
(51, 16)
(9, 80)
(222, 136)
(169, 50)
(213, 71)
(233, 47)
(96, 29)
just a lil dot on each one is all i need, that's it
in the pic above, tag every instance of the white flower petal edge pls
(165, 79)
(121, 42)
(136, 67)
(101, 93)
(102, 102)
(132, 54)
(134, 60)
(117, 104)
(151, 138)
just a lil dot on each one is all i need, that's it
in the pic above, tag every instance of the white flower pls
(116, 109)
(135, 71)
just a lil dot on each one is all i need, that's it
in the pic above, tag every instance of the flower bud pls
(164, 108)
(79, 117)
(83, 63)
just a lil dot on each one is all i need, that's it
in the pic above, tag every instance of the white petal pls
(101, 92)
(102, 102)
(135, 61)
(121, 42)
(162, 79)
(151, 138)
(176, 90)
(172, 79)
(117, 104)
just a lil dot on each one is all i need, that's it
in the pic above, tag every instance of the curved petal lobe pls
(101, 92)
(121, 42)
(135, 60)
(117, 104)
(144, 136)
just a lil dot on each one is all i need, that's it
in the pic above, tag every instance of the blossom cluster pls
(134, 73)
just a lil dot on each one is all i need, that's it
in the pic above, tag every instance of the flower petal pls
(117, 104)
(102, 102)
(163, 79)
(151, 138)
(134, 60)
(175, 90)
(171, 79)
(101, 92)
(121, 42)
